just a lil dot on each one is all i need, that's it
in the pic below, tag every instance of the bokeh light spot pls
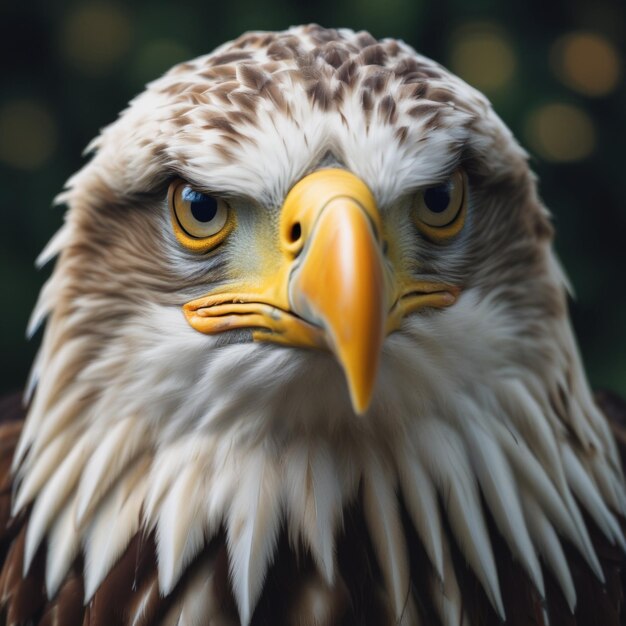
(587, 63)
(481, 54)
(28, 134)
(381, 17)
(158, 56)
(561, 132)
(95, 37)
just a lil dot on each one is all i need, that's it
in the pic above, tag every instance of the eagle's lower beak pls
(333, 287)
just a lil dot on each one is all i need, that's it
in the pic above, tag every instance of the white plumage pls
(139, 422)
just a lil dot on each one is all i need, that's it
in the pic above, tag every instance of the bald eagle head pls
(308, 270)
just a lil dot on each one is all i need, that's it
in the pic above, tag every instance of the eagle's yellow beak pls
(338, 276)
(332, 286)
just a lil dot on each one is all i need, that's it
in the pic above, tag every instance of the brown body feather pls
(294, 593)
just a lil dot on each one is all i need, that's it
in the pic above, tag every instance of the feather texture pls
(130, 589)
(381, 514)
(314, 512)
(421, 501)
(253, 526)
(104, 543)
(181, 527)
(549, 546)
(587, 493)
(500, 490)
(170, 475)
(454, 479)
(114, 453)
(52, 498)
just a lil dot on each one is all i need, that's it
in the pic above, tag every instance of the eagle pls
(307, 361)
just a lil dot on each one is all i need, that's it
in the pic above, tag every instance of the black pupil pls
(437, 198)
(203, 207)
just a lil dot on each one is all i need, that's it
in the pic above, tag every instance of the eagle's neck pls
(273, 445)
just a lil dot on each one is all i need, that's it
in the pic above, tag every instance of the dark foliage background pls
(553, 70)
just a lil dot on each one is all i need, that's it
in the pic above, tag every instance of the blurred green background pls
(553, 70)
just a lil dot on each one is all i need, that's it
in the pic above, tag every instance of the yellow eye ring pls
(200, 221)
(440, 210)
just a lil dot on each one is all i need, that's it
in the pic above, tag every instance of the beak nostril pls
(296, 232)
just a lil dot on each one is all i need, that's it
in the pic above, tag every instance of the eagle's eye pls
(200, 221)
(440, 210)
